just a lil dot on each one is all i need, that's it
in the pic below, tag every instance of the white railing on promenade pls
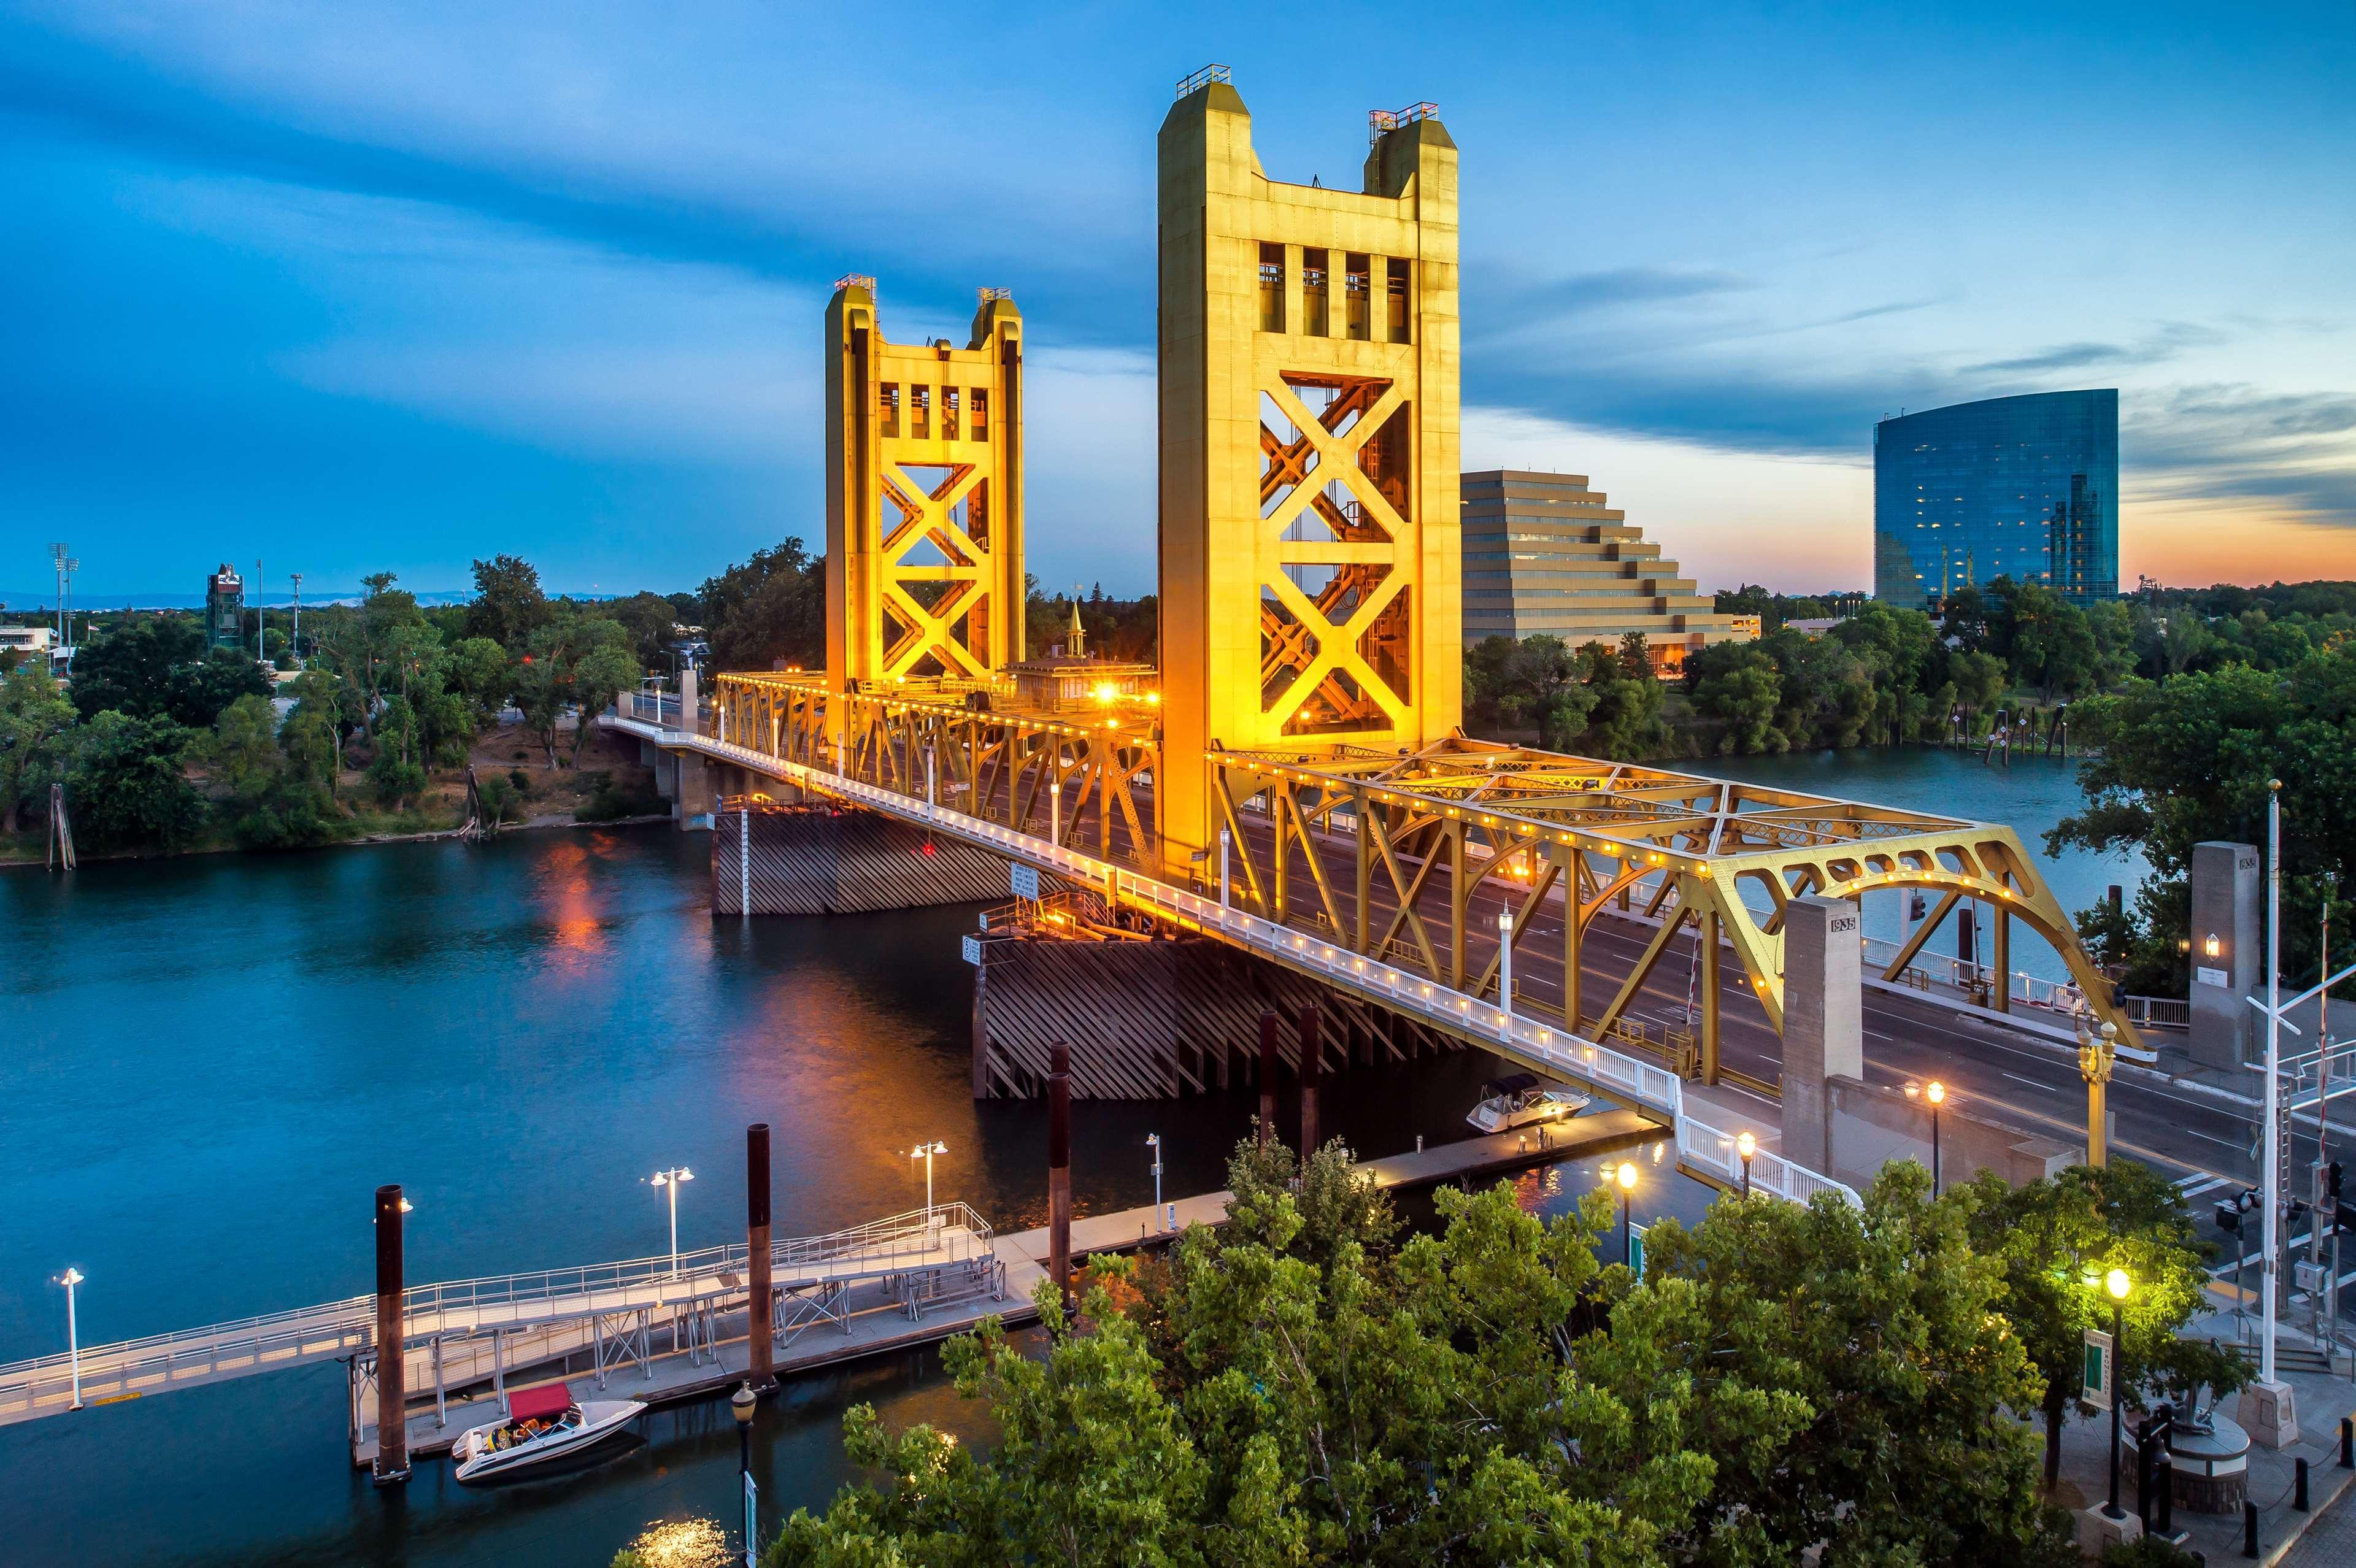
(949, 1234)
(1704, 1147)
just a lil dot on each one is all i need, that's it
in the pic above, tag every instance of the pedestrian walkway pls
(2323, 1399)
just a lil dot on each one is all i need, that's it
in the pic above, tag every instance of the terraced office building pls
(1543, 553)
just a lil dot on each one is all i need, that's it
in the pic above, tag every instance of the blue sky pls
(353, 288)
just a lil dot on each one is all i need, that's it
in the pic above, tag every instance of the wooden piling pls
(1312, 1062)
(1269, 1027)
(391, 1465)
(763, 1372)
(1059, 1170)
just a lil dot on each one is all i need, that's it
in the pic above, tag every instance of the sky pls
(354, 288)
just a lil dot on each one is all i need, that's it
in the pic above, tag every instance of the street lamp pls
(2210, 946)
(670, 1181)
(1154, 1142)
(1626, 1178)
(71, 1278)
(1505, 967)
(1936, 1093)
(2117, 1284)
(742, 1404)
(1746, 1145)
(926, 1152)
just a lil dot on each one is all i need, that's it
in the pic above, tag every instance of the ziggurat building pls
(1544, 555)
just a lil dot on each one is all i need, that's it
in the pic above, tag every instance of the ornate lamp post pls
(1746, 1145)
(2096, 1052)
(1625, 1178)
(2118, 1284)
(741, 1404)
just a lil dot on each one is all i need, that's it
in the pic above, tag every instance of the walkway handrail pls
(1710, 1148)
(948, 1234)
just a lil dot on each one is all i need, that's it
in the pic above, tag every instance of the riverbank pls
(608, 787)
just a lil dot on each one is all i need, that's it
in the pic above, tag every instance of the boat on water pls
(1522, 1100)
(541, 1424)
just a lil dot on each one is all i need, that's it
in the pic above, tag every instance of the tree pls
(769, 609)
(1737, 684)
(147, 666)
(129, 790)
(1299, 1390)
(601, 674)
(559, 669)
(1623, 720)
(478, 670)
(509, 605)
(35, 722)
(242, 751)
(2056, 1238)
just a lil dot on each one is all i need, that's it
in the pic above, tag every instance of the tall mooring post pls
(1310, 574)
(924, 496)
(1059, 1169)
(759, 1316)
(391, 1465)
(1312, 1065)
(1270, 1027)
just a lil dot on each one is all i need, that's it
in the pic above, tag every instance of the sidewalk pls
(2322, 1401)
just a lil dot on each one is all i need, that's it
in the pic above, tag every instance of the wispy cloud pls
(2168, 341)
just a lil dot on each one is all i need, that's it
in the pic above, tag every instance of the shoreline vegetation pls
(2181, 704)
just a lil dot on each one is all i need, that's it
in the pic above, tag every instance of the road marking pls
(1877, 1034)
(2205, 1137)
(2017, 1078)
(2194, 1185)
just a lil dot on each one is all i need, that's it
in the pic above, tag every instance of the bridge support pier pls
(818, 859)
(760, 1316)
(1824, 1021)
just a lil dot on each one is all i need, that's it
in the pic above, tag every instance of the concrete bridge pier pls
(810, 859)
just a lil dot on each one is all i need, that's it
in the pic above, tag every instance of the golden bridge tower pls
(924, 496)
(1308, 372)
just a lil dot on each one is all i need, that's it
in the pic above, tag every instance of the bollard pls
(759, 1314)
(391, 1364)
(1312, 1065)
(2348, 1443)
(2298, 1485)
(2249, 1528)
(2164, 1503)
(1270, 1026)
(1059, 1169)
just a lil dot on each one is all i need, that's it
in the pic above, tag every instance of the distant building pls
(1545, 554)
(225, 609)
(27, 639)
(1815, 625)
(2023, 487)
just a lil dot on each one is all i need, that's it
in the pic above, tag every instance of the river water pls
(207, 1065)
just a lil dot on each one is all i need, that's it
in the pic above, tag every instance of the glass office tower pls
(2022, 487)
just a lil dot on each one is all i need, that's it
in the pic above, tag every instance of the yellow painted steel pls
(1309, 384)
(924, 496)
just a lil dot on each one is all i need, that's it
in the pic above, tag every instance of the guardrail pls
(946, 1235)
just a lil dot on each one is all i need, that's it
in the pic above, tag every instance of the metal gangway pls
(456, 1332)
(1703, 1150)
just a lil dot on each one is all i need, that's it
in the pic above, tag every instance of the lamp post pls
(1746, 1145)
(1055, 812)
(741, 1404)
(2096, 1052)
(1936, 1095)
(1505, 967)
(1154, 1142)
(925, 1152)
(668, 1180)
(1625, 1178)
(1223, 899)
(71, 1278)
(2117, 1284)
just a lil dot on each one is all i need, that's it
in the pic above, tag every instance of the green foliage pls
(34, 723)
(767, 610)
(478, 672)
(2147, 1552)
(1125, 629)
(574, 660)
(2056, 1240)
(500, 797)
(2188, 759)
(1623, 722)
(1531, 684)
(509, 605)
(151, 665)
(608, 802)
(1299, 1388)
(128, 787)
(1743, 689)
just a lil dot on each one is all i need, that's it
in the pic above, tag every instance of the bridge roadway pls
(458, 1331)
(1705, 1150)
(2031, 1076)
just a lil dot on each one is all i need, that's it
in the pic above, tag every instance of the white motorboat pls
(1522, 1100)
(542, 1423)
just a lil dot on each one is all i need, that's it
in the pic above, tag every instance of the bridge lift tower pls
(1311, 596)
(923, 496)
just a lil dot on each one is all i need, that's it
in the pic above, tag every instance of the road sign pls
(1636, 1251)
(1026, 881)
(973, 949)
(752, 1532)
(2099, 1368)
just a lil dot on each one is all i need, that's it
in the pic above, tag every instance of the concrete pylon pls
(1059, 1169)
(2228, 953)
(1271, 1026)
(1824, 1021)
(391, 1467)
(1312, 1067)
(762, 1371)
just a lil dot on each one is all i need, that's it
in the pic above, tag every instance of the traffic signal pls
(2332, 1175)
(2229, 1218)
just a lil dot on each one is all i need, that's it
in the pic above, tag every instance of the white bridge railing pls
(1548, 1047)
(948, 1236)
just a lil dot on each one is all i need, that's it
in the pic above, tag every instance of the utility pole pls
(2277, 1192)
(257, 609)
(58, 563)
(295, 637)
